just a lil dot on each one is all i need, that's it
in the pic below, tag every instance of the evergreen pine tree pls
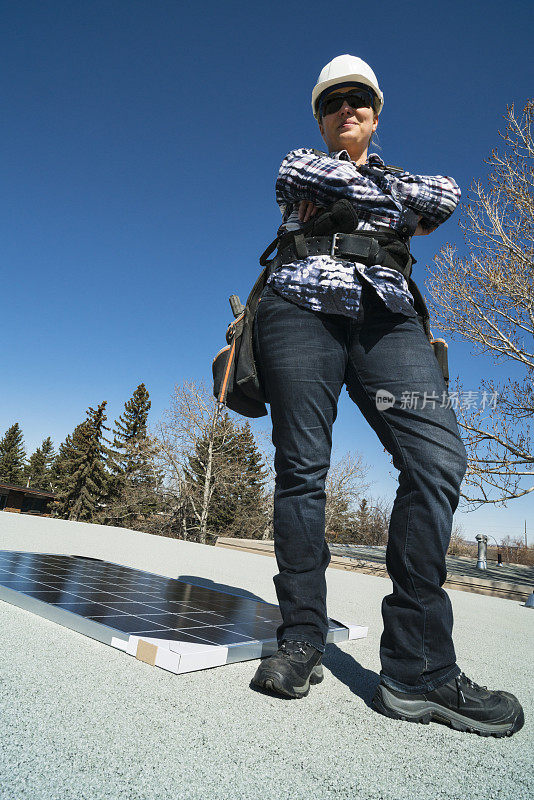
(80, 469)
(38, 472)
(61, 464)
(131, 427)
(12, 456)
(246, 499)
(132, 496)
(363, 522)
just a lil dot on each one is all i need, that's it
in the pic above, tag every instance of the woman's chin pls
(351, 133)
(346, 137)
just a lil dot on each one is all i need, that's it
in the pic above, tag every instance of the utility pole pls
(526, 541)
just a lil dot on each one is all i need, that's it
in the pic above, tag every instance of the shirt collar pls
(372, 160)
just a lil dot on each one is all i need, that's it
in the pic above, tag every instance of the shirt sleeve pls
(303, 175)
(433, 196)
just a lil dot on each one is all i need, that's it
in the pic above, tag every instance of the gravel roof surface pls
(83, 721)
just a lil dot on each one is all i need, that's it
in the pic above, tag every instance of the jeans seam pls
(399, 448)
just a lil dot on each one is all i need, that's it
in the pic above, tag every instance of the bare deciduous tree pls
(458, 545)
(212, 468)
(487, 299)
(192, 416)
(345, 484)
(380, 516)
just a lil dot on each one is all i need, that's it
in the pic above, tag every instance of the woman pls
(329, 318)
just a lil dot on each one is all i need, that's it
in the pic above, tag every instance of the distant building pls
(24, 500)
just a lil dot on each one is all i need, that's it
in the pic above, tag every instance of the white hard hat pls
(346, 69)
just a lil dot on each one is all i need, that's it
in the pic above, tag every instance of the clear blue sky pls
(140, 144)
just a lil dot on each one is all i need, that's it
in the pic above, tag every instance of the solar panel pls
(167, 622)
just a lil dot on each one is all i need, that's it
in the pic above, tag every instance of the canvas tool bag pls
(235, 377)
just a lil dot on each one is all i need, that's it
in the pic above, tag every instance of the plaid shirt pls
(324, 283)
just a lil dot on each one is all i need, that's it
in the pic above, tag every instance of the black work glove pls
(340, 217)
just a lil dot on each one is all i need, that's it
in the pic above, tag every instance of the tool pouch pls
(235, 377)
(440, 351)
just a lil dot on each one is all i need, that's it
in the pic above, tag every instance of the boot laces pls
(462, 678)
(296, 647)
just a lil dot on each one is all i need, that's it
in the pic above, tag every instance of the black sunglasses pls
(356, 99)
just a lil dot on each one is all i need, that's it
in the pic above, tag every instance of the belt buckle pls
(334, 244)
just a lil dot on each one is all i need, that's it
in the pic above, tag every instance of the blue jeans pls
(304, 358)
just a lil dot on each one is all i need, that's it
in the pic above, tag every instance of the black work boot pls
(460, 703)
(290, 670)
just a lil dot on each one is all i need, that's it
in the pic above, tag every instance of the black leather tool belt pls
(368, 247)
(384, 248)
